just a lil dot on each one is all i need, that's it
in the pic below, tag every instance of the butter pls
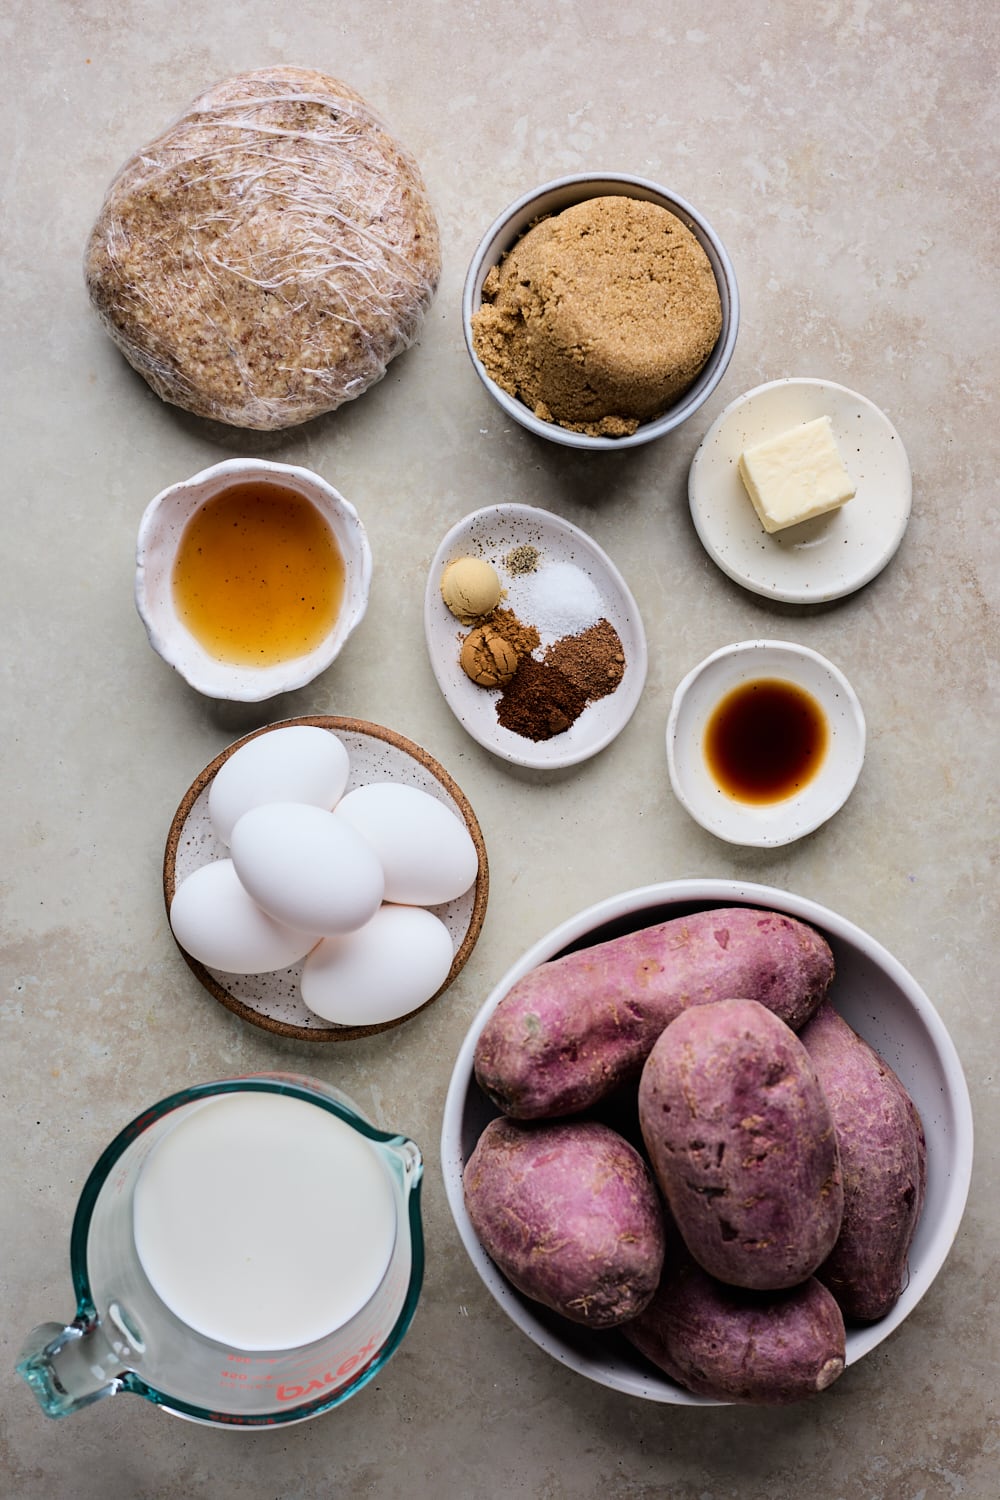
(796, 476)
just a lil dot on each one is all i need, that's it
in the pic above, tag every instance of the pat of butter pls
(796, 476)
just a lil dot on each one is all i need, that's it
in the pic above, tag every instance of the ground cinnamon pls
(594, 660)
(545, 697)
(601, 316)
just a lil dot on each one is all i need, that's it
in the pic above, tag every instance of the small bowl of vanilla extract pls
(765, 742)
(250, 577)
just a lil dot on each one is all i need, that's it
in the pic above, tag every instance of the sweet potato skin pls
(764, 1348)
(573, 1029)
(883, 1156)
(570, 1215)
(742, 1143)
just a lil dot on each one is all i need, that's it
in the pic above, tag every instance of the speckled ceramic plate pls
(821, 559)
(494, 533)
(272, 1001)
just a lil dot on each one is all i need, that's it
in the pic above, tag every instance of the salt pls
(558, 599)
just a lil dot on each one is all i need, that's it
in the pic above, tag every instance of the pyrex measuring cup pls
(125, 1337)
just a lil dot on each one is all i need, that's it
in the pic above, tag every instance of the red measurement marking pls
(355, 1363)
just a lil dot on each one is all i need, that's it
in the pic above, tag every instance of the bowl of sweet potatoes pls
(708, 1142)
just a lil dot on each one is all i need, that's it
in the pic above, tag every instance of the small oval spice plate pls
(556, 578)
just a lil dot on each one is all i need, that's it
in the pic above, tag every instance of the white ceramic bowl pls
(160, 531)
(552, 198)
(872, 991)
(769, 824)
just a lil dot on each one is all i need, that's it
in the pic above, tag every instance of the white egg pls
(427, 853)
(215, 920)
(306, 867)
(299, 763)
(386, 969)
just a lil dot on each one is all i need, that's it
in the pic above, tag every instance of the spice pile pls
(551, 657)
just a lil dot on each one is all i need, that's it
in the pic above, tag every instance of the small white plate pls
(770, 824)
(274, 1001)
(492, 534)
(821, 559)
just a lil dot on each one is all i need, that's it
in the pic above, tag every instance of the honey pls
(765, 741)
(258, 578)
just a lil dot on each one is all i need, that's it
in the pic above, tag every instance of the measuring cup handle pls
(413, 1162)
(68, 1367)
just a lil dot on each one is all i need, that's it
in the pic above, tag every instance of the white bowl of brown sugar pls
(600, 312)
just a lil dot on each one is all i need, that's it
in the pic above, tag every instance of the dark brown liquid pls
(765, 740)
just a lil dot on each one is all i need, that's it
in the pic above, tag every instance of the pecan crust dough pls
(263, 259)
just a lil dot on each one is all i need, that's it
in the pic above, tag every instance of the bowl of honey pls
(765, 742)
(250, 577)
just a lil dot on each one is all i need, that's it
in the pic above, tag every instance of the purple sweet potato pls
(883, 1156)
(570, 1215)
(770, 1348)
(572, 1030)
(742, 1143)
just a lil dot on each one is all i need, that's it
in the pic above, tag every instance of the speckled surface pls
(846, 154)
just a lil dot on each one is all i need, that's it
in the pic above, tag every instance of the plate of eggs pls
(325, 878)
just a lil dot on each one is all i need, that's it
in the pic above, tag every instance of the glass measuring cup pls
(125, 1338)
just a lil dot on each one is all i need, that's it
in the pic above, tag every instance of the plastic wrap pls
(264, 259)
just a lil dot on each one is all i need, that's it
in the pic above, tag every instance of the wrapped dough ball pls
(263, 260)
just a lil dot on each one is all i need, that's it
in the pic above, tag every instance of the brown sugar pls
(600, 317)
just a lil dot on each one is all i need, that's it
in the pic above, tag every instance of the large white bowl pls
(552, 198)
(872, 991)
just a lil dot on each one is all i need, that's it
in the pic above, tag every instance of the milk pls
(263, 1221)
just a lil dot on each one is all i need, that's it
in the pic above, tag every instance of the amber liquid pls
(765, 740)
(258, 578)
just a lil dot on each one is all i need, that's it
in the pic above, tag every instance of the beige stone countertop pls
(846, 153)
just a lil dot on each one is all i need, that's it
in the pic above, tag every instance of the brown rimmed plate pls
(273, 1001)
